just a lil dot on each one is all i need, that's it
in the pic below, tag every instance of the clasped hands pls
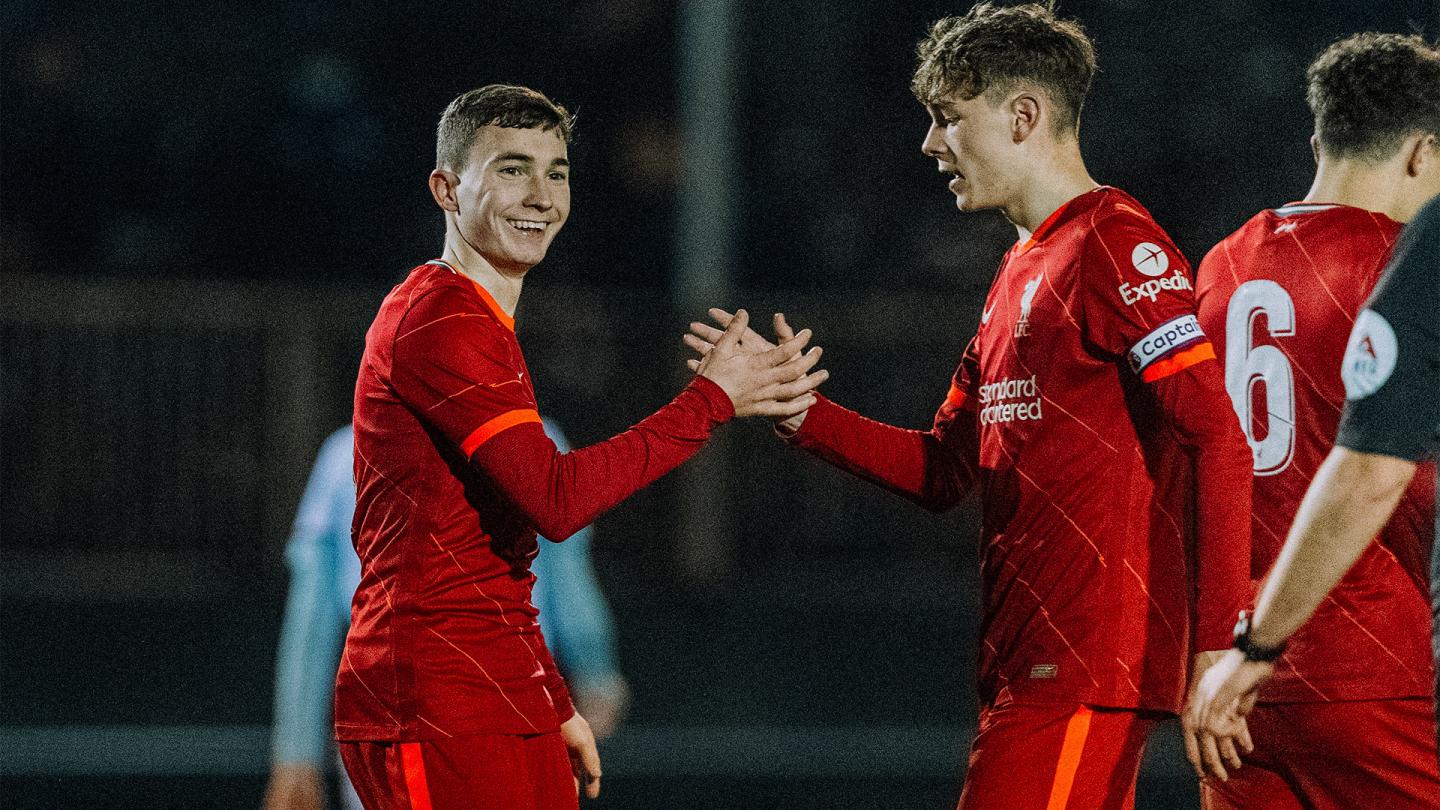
(762, 378)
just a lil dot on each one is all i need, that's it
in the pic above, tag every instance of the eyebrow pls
(524, 158)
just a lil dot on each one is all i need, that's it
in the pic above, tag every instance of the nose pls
(539, 194)
(934, 143)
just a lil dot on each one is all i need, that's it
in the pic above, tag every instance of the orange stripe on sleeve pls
(1075, 733)
(413, 765)
(1180, 362)
(487, 431)
(955, 398)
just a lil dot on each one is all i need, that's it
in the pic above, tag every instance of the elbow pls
(557, 530)
(944, 492)
(940, 502)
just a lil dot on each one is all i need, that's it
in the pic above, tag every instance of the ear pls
(1422, 152)
(1315, 148)
(1025, 115)
(442, 188)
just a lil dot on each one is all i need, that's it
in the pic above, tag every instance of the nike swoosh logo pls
(985, 316)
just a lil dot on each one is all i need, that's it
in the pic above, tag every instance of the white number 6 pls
(1247, 364)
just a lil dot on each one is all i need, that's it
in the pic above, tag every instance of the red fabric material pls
(443, 638)
(1089, 539)
(934, 468)
(1193, 405)
(1335, 756)
(1370, 638)
(561, 493)
(1020, 751)
(472, 772)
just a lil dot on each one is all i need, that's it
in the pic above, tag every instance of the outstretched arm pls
(459, 371)
(934, 468)
(563, 492)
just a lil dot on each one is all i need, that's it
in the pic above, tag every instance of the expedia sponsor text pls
(1132, 293)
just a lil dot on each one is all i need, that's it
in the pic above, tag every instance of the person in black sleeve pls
(1389, 431)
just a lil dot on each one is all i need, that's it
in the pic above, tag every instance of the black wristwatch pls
(1254, 652)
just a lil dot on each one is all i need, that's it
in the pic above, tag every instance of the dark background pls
(200, 208)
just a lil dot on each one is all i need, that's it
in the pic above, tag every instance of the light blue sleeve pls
(323, 574)
(574, 616)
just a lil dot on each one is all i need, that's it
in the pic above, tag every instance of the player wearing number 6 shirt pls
(446, 695)
(1091, 414)
(1348, 719)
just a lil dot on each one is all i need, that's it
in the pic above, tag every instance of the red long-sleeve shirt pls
(454, 475)
(1114, 480)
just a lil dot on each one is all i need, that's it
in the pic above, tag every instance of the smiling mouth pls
(528, 226)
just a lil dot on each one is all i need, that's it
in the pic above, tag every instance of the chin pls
(527, 256)
(967, 204)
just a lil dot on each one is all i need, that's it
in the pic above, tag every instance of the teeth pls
(527, 225)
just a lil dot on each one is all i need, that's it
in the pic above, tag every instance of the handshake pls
(762, 378)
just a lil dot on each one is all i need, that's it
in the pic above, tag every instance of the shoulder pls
(442, 302)
(1118, 214)
(1123, 237)
(1410, 282)
(1423, 232)
(1238, 242)
(337, 454)
(1429, 213)
(342, 439)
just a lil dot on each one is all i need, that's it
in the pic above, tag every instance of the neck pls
(503, 286)
(1052, 183)
(1360, 185)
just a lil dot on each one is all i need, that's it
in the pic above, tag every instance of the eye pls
(559, 177)
(513, 171)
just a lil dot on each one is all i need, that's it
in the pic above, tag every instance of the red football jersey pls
(1278, 298)
(1082, 407)
(454, 474)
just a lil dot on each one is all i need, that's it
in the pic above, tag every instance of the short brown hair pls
(1370, 91)
(501, 105)
(998, 46)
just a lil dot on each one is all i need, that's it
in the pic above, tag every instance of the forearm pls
(560, 493)
(1223, 523)
(1350, 499)
(309, 651)
(1199, 413)
(555, 684)
(914, 464)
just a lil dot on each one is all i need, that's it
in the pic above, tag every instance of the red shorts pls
(473, 772)
(1350, 754)
(1052, 757)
